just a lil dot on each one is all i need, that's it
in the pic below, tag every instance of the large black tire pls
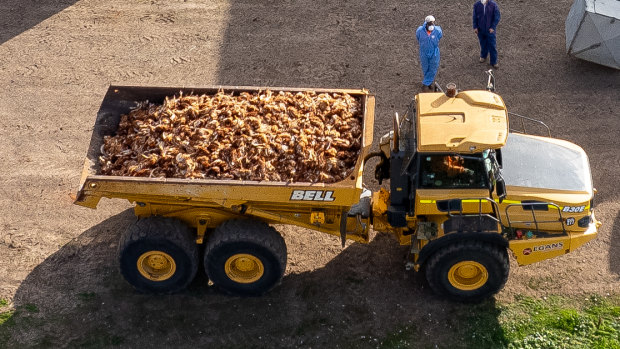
(158, 255)
(468, 271)
(245, 257)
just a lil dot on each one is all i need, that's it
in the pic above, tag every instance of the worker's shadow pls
(76, 297)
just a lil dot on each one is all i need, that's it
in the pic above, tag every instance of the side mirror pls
(500, 186)
(396, 139)
(488, 167)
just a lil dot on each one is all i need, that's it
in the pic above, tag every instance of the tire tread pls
(251, 231)
(158, 228)
(498, 253)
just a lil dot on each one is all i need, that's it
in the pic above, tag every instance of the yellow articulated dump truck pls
(463, 190)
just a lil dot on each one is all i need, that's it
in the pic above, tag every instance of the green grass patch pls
(553, 322)
(31, 308)
(561, 322)
(5, 317)
(400, 339)
(87, 296)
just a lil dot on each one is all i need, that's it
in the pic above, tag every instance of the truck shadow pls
(76, 297)
(614, 248)
(19, 16)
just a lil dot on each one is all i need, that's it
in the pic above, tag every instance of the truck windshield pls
(537, 162)
(451, 171)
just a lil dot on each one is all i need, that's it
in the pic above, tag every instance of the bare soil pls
(58, 58)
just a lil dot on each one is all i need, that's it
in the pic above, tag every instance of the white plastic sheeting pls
(593, 31)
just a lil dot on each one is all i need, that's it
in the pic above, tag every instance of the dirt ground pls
(58, 58)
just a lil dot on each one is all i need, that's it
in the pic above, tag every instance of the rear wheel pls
(158, 255)
(245, 257)
(468, 270)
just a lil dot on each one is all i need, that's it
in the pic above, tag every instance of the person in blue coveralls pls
(428, 35)
(485, 19)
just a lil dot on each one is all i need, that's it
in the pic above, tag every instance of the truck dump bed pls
(120, 100)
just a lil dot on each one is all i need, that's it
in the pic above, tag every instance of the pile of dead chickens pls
(261, 136)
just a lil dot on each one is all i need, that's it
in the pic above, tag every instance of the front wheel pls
(245, 258)
(468, 270)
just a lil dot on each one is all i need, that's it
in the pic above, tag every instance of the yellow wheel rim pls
(156, 265)
(468, 275)
(244, 268)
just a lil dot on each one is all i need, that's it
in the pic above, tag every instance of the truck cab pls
(461, 181)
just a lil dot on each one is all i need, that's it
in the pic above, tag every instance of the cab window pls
(452, 171)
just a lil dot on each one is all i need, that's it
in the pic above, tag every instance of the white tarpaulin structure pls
(593, 31)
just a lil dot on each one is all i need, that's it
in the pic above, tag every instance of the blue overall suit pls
(429, 52)
(485, 18)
